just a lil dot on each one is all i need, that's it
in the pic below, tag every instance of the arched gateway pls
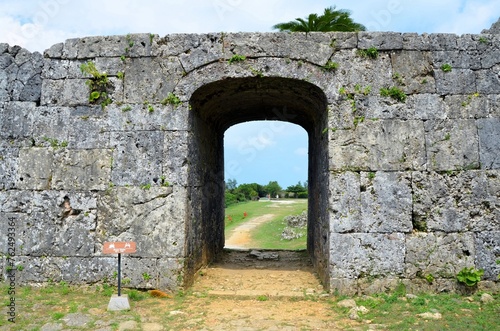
(404, 156)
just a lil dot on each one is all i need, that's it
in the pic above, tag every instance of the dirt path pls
(263, 290)
(240, 236)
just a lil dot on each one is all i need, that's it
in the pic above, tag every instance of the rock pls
(487, 298)
(51, 327)
(264, 255)
(494, 29)
(355, 311)
(76, 319)
(128, 325)
(176, 312)
(411, 296)
(347, 303)
(430, 316)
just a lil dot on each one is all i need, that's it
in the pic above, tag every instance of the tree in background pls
(331, 20)
(273, 188)
(297, 189)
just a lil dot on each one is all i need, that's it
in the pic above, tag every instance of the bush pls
(302, 195)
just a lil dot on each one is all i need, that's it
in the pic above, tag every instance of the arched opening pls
(265, 170)
(218, 105)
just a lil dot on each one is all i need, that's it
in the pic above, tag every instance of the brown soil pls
(250, 292)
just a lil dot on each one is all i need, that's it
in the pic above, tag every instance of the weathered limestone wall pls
(399, 189)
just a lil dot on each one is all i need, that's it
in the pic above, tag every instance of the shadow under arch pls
(215, 107)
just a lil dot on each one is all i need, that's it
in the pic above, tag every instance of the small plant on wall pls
(98, 84)
(470, 276)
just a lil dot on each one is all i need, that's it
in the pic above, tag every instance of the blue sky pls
(254, 152)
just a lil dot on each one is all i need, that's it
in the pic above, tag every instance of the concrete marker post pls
(119, 302)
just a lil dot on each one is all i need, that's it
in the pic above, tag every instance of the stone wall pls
(400, 187)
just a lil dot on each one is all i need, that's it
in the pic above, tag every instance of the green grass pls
(268, 235)
(396, 312)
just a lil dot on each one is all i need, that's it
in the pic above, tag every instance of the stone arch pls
(220, 104)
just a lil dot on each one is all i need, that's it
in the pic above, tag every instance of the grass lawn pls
(268, 235)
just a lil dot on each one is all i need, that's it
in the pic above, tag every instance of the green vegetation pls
(393, 92)
(267, 235)
(55, 143)
(171, 99)
(331, 66)
(446, 67)
(483, 40)
(245, 192)
(397, 311)
(236, 58)
(470, 276)
(371, 52)
(98, 84)
(330, 20)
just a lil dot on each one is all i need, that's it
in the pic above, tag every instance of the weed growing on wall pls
(470, 276)
(446, 67)
(171, 99)
(371, 52)
(393, 92)
(236, 58)
(98, 84)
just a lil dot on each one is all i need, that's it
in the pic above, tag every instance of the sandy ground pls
(240, 236)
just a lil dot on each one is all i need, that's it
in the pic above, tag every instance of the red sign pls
(122, 247)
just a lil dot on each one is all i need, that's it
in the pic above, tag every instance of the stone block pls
(141, 272)
(137, 117)
(378, 202)
(71, 269)
(489, 142)
(414, 41)
(171, 273)
(381, 145)
(194, 50)
(316, 48)
(413, 71)
(56, 69)
(35, 168)
(466, 106)
(446, 82)
(89, 128)
(344, 286)
(355, 255)
(151, 79)
(82, 169)
(16, 121)
(439, 41)
(154, 218)
(175, 165)
(51, 126)
(9, 163)
(131, 45)
(381, 40)
(137, 157)
(457, 59)
(355, 70)
(15, 201)
(488, 81)
(442, 255)
(54, 224)
(488, 253)
(456, 202)
(427, 106)
(67, 92)
(451, 145)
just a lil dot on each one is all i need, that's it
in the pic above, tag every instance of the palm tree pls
(331, 20)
